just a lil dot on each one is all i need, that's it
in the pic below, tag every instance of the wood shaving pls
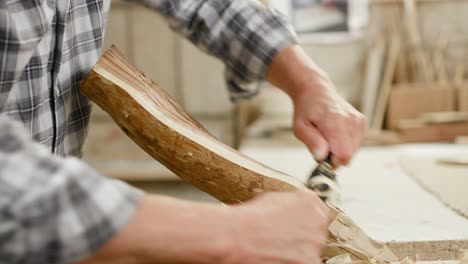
(340, 259)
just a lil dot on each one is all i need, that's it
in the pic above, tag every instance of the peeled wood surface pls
(162, 128)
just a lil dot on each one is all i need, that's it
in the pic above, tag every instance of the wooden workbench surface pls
(377, 193)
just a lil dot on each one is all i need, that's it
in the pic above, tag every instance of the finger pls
(357, 131)
(342, 147)
(312, 138)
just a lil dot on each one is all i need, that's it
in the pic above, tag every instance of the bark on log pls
(151, 118)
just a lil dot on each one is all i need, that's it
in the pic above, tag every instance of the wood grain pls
(150, 117)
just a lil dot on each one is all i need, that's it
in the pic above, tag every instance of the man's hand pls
(323, 120)
(274, 228)
(281, 228)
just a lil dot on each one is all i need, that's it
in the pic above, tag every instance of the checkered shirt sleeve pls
(242, 33)
(57, 210)
(54, 210)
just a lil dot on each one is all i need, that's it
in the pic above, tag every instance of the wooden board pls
(383, 137)
(376, 123)
(444, 117)
(374, 66)
(463, 98)
(411, 100)
(421, 132)
(417, 58)
(163, 129)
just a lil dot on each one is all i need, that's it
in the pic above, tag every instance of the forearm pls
(272, 228)
(293, 71)
(166, 230)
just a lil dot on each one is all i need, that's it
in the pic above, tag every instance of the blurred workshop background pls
(402, 63)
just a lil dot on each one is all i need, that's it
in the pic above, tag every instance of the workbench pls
(376, 193)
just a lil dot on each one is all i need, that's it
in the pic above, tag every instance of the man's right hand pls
(273, 228)
(281, 228)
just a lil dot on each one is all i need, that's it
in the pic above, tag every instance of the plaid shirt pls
(55, 209)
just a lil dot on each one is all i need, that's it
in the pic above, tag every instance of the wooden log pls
(150, 117)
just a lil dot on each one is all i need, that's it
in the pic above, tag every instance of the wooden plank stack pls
(422, 71)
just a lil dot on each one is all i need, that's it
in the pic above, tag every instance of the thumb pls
(313, 139)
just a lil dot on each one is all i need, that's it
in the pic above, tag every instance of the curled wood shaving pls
(340, 259)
